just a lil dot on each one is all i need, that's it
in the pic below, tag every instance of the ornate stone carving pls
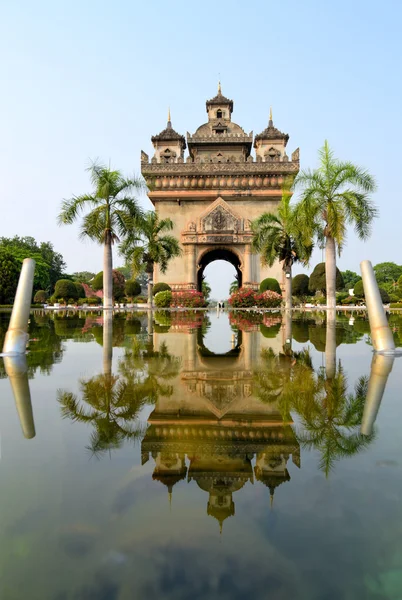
(144, 157)
(192, 226)
(296, 155)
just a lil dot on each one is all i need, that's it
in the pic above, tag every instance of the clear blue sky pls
(93, 79)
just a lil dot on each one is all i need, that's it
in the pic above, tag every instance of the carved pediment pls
(220, 217)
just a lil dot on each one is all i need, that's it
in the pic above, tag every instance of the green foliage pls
(300, 285)
(83, 276)
(9, 274)
(97, 282)
(279, 237)
(387, 272)
(125, 270)
(118, 283)
(270, 284)
(349, 279)
(41, 297)
(65, 288)
(317, 281)
(396, 305)
(340, 296)
(163, 299)
(321, 300)
(80, 290)
(132, 288)
(206, 290)
(50, 265)
(234, 286)
(358, 290)
(149, 244)
(384, 296)
(348, 300)
(161, 287)
(90, 301)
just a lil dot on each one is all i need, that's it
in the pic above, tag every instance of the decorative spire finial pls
(271, 503)
(169, 121)
(270, 116)
(219, 87)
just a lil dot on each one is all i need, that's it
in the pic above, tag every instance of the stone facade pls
(214, 193)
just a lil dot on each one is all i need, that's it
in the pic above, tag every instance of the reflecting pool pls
(193, 455)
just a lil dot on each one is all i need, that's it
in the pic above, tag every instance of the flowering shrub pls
(243, 298)
(247, 298)
(268, 299)
(188, 299)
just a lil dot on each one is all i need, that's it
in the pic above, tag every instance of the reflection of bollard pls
(17, 337)
(381, 334)
(381, 367)
(17, 371)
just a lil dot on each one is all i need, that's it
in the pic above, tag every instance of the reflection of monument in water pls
(212, 427)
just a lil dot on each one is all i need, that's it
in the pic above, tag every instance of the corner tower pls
(214, 193)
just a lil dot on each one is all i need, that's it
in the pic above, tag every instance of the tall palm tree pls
(113, 212)
(278, 237)
(335, 195)
(150, 245)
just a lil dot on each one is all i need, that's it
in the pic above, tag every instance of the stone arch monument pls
(214, 193)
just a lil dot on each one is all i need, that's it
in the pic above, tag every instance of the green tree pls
(335, 195)
(234, 286)
(114, 214)
(349, 279)
(279, 237)
(50, 265)
(387, 272)
(83, 276)
(9, 274)
(318, 279)
(206, 290)
(118, 283)
(150, 245)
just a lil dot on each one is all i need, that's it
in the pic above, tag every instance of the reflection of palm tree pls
(330, 417)
(111, 404)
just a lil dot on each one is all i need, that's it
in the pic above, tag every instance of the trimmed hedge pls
(358, 289)
(270, 284)
(300, 285)
(161, 287)
(395, 305)
(132, 288)
(163, 299)
(41, 297)
(65, 288)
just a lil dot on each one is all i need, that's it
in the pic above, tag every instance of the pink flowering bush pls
(247, 298)
(188, 299)
(243, 298)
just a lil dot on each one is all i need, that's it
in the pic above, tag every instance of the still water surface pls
(198, 456)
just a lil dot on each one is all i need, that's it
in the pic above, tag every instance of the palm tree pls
(113, 213)
(278, 237)
(334, 196)
(150, 246)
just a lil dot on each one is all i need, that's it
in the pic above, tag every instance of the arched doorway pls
(218, 254)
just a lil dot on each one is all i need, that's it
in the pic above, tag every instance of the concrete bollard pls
(17, 337)
(381, 367)
(17, 371)
(381, 334)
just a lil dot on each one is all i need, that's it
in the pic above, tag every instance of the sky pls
(85, 80)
